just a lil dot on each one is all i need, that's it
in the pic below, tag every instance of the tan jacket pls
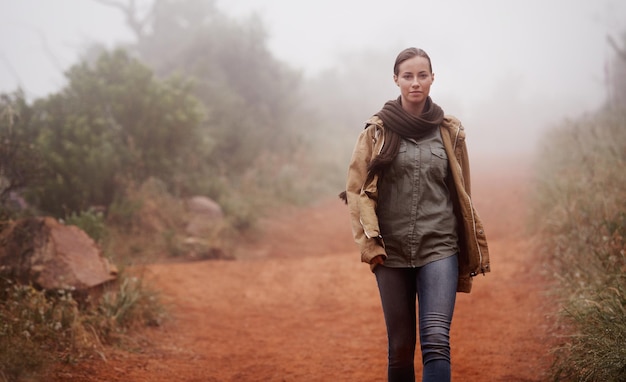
(362, 199)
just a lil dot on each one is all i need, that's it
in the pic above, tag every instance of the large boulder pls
(51, 255)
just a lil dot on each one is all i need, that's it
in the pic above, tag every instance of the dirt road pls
(300, 307)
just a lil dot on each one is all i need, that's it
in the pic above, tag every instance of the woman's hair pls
(410, 53)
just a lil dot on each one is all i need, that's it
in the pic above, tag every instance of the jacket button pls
(480, 231)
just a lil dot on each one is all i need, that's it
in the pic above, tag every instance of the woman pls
(408, 192)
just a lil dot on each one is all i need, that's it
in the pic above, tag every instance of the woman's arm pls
(369, 242)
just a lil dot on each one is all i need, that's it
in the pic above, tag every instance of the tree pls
(20, 163)
(616, 73)
(251, 98)
(113, 121)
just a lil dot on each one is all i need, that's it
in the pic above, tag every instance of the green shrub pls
(90, 221)
(124, 305)
(114, 120)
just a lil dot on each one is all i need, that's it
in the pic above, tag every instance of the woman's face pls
(414, 79)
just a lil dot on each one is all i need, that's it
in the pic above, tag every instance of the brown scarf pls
(400, 124)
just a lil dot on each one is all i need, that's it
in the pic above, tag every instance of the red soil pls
(299, 306)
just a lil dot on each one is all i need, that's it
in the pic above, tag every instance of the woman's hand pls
(378, 259)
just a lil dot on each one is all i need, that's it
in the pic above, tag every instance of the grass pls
(41, 328)
(580, 217)
(595, 350)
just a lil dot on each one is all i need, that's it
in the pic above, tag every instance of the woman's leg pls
(397, 293)
(436, 288)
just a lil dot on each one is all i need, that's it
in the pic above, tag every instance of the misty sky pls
(534, 52)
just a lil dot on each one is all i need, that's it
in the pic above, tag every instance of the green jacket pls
(362, 199)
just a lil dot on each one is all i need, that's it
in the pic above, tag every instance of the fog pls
(507, 68)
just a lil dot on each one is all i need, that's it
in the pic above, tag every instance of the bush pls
(144, 223)
(147, 223)
(90, 221)
(580, 216)
(37, 330)
(40, 328)
(112, 122)
(126, 304)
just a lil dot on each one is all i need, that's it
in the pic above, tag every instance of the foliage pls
(127, 304)
(147, 223)
(139, 220)
(90, 221)
(580, 215)
(257, 118)
(20, 162)
(250, 96)
(242, 134)
(39, 328)
(35, 330)
(113, 121)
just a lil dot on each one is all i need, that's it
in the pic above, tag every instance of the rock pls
(205, 206)
(204, 216)
(50, 255)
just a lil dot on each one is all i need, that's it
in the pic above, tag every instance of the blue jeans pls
(434, 284)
